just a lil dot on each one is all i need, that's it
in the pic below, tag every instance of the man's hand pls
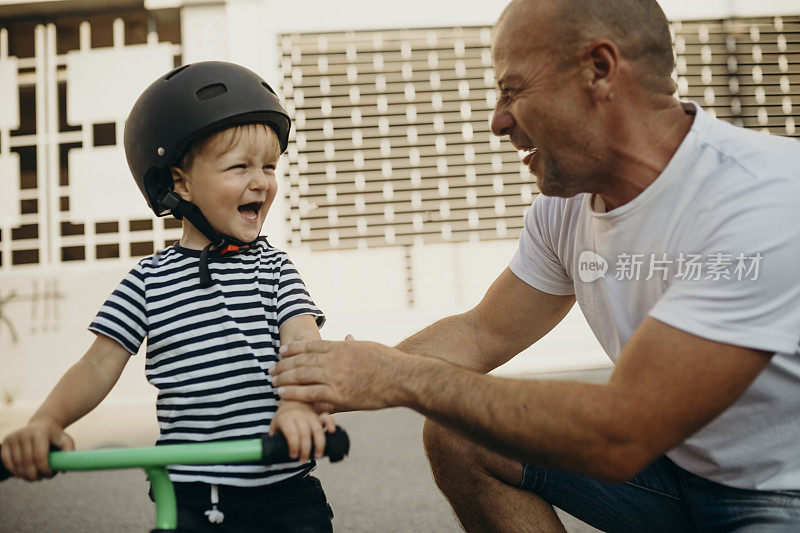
(25, 452)
(350, 375)
(302, 428)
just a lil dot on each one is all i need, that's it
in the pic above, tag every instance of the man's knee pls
(438, 442)
(443, 445)
(452, 465)
(455, 457)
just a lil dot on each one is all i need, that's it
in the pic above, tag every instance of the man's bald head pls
(638, 28)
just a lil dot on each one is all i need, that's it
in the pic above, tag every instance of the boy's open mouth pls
(250, 211)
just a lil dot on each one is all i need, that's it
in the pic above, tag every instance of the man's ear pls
(602, 58)
(180, 183)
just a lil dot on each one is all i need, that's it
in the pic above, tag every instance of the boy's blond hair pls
(224, 140)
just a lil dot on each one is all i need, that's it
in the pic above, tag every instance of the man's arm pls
(667, 384)
(510, 317)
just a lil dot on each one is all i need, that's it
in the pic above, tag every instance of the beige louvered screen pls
(391, 142)
(746, 71)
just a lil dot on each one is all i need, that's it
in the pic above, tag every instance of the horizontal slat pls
(371, 138)
(407, 235)
(409, 240)
(401, 146)
(397, 120)
(404, 193)
(456, 165)
(459, 207)
(339, 93)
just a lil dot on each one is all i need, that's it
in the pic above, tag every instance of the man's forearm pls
(563, 425)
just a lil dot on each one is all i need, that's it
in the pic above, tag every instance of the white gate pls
(67, 85)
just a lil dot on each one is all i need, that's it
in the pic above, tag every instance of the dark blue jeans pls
(664, 497)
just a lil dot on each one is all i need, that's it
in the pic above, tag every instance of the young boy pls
(202, 143)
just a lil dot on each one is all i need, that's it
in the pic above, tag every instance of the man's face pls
(232, 180)
(539, 106)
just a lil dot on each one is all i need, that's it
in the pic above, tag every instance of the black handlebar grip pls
(276, 450)
(337, 445)
(4, 473)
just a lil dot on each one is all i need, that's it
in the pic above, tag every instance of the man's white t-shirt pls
(711, 247)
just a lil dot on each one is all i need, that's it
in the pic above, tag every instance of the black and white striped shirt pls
(209, 349)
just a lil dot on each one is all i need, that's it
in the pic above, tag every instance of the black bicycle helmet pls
(192, 101)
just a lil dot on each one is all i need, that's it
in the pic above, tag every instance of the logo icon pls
(591, 266)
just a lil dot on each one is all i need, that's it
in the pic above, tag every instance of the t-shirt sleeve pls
(748, 291)
(292, 298)
(536, 262)
(123, 317)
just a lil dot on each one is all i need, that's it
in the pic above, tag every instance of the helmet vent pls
(268, 88)
(176, 72)
(211, 91)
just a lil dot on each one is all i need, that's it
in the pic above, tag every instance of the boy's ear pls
(180, 184)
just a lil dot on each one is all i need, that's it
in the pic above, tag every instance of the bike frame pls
(155, 460)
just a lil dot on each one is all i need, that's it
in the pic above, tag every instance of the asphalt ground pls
(384, 485)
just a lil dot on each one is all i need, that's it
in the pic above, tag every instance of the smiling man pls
(699, 308)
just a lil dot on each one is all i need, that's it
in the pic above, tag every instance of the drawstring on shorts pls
(215, 516)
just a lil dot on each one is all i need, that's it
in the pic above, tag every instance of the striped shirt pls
(209, 349)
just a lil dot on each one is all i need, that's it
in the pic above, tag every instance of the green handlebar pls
(203, 453)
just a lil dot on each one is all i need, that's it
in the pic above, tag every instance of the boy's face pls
(232, 181)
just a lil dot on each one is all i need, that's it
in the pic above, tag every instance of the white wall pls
(363, 293)
(323, 15)
(52, 332)
(716, 9)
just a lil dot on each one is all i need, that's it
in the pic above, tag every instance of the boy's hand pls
(302, 426)
(25, 451)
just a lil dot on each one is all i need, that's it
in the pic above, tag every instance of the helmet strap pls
(220, 243)
(205, 273)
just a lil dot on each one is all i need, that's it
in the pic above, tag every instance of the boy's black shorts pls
(297, 505)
